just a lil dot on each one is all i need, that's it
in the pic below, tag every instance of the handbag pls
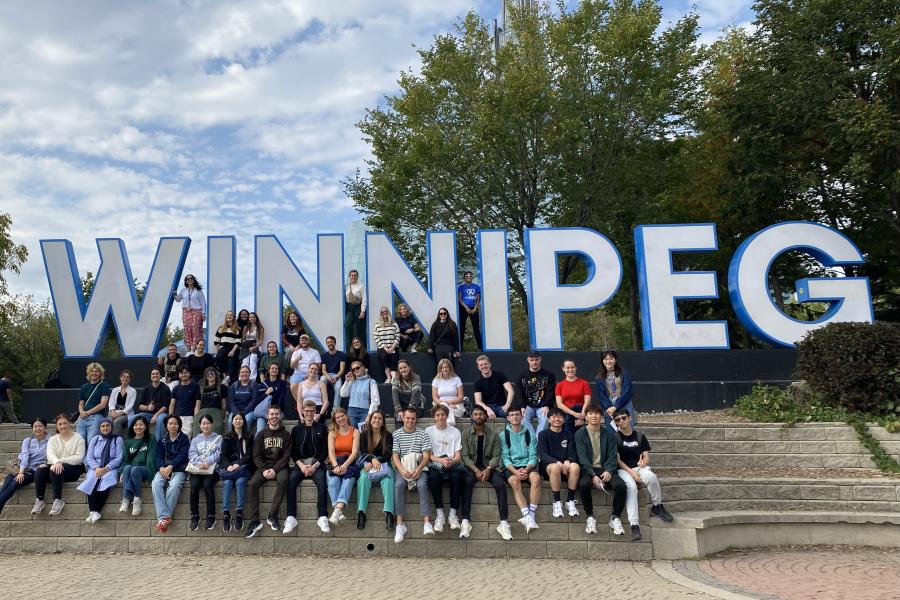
(12, 466)
(242, 471)
(194, 470)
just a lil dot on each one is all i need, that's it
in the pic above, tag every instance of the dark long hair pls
(366, 442)
(354, 354)
(617, 370)
(448, 323)
(132, 435)
(197, 285)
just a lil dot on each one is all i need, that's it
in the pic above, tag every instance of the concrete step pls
(806, 461)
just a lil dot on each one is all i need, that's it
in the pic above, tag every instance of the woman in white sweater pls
(65, 462)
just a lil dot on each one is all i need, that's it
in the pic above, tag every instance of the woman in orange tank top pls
(343, 449)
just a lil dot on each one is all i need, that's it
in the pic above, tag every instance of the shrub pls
(853, 365)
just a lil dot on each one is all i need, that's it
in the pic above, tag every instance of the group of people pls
(163, 436)
(239, 339)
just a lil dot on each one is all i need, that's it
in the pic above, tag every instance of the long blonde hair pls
(441, 363)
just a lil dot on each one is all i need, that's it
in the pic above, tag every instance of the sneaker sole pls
(255, 530)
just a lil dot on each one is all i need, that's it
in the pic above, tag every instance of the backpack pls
(508, 440)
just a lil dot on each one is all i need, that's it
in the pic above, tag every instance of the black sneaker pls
(226, 521)
(360, 520)
(636, 534)
(273, 522)
(238, 521)
(390, 521)
(253, 528)
(660, 511)
(210, 522)
(195, 522)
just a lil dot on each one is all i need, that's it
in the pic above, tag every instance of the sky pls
(140, 120)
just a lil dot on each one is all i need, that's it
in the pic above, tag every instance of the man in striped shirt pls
(411, 453)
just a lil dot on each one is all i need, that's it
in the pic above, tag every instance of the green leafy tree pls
(29, 346)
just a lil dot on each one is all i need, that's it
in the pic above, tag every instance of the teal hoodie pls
(519, 452)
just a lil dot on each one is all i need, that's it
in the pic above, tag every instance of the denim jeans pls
(261, 414)
(532, 412)
(161, 425)
(239, 484)
(357, 416)
(132, 478)
(498, 410)
(248, 421)
(340, 488)
(166, 492)
(10, 486)
(88, 427)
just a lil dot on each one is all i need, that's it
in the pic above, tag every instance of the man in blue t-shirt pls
(334, 363)
(469, 295)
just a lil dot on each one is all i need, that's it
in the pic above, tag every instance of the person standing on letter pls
(193, 311)
(469, 295)
(355, 311)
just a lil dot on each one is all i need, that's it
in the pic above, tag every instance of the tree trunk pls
(635, 305)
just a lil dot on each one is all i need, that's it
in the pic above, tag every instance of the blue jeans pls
(498, 410)
(132, 478)
(248, 421)
(339, 489)
(161, 425)
(165, 493)
(240, 484)
(88, 427)
(532, 412)
(261, 413)
(357, 415)
(10, 486)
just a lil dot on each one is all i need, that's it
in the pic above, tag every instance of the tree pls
(462, 145)
(812, 115)
(12, 255)
(29, 346)
(570, 121)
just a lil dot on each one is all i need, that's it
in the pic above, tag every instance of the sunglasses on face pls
(622, 418)
(357, 368)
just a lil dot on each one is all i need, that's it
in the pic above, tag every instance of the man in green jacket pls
(481, 458)
(596, 446)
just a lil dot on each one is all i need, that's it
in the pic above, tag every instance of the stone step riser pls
(806, 461)
(436, 548)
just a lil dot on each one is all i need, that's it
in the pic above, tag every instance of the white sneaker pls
(124, 506)
(464, 529)
(413, 350)
(573, 510)
(427, 529)
(616, 525)
(530, 523)
(87, 519)
(323, 524)
(399, 532)
(290, 524)
(38, 507)
(93, 517)
(58, 506)
(558, 509)
(439, 521)
(136, 507)
(504, 530)
(336, 517)
(453, 519)
(591, 525)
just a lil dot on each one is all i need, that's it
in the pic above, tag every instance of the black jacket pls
(319, 440)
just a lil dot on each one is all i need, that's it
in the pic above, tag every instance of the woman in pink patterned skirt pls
(193, 311)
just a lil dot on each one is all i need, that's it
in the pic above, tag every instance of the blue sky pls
(141, 120)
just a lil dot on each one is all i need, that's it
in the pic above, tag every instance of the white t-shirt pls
(444, 442)
(307, 357)
(446, 388)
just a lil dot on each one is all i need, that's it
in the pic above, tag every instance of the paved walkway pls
(785, 574)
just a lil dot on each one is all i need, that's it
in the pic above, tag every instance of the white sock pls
(526, 511)
(532, 508)
(440, 512)
(452, 513)
(504, 522)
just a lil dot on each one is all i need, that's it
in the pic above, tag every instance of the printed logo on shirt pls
(629, 444)
(564, 443)
(273, 442)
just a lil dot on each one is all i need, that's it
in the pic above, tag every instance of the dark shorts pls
(506, 474)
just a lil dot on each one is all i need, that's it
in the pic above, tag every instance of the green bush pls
(853, 365)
